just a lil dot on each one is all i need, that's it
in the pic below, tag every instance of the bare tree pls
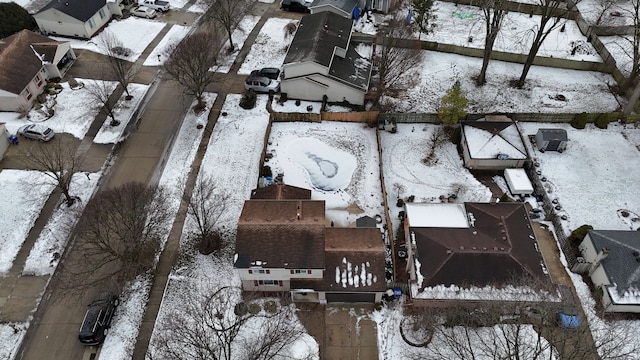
(58, 161)
(603, 7)
(437, 138)
(192, 63)
(206, 205)
(493, 12)
(227, 14)
(219, 325)
(119, 235)
(121, 68)
(101, 92)
(632, 50)
(397, 57)
(550, 20)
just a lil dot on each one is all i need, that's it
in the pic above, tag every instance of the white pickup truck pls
(157, 5)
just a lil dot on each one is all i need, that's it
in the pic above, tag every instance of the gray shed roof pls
(82, 10)
(317, 36)
(622, 264)
(553, 134)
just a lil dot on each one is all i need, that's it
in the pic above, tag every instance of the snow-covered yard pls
(337, 161)
(600, 163)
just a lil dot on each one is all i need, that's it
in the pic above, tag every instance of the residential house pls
(323, 60)
(76, 18)
(551, 140)
(613, 259)
(458, 247)
(286, 245)
(492, 143)
(27, 61)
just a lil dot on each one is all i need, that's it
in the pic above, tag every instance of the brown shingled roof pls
(356, 256)
(282, 233)
(281, 191)
(500, 246)
(18, 62)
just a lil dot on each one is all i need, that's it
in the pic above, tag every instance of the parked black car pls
(295, 5)
(97, 319)
(270, 72)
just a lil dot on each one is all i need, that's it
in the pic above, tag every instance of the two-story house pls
(286, 245)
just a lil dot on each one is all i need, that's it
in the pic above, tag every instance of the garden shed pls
(518, 182)
(551, 140)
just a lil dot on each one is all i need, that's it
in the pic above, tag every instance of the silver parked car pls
(36, 132)
(144, 12)
(261, 84)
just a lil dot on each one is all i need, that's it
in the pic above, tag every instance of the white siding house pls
(323, 61)
(613, 257)
(28, 60)
(76, 18)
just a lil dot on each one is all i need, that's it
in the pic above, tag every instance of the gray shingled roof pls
(82, 10)
(499, 247)
(317, 36)
(353, 69)
(622, 264)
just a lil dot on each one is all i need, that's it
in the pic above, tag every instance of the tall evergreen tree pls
(453, 105)
(14, 18)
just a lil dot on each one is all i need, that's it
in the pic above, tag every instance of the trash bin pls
(13, 139)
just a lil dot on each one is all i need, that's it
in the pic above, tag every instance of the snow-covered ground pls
(134, 33)
(455, 24)
(226, 59)
(337, 161)
(73, 115)
(270, 46)
(22, 196)
(159, 54)
(600, 163)
(439, 71)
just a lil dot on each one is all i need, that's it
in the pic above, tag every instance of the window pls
(92, 23)
(300, 271)
(38, 80)
(270, 282)
(260, 271)
(27, 94)
(101, 12)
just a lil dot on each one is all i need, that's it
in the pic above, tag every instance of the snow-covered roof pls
(519, 180)
(488, 140)
(436, 215)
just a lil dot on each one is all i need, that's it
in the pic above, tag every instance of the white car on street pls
(144, 12)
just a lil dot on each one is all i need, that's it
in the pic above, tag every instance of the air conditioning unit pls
(581, 260)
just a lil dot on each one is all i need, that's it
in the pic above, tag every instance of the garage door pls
(350, 297)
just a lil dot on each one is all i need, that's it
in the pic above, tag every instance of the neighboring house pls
(343, 8)
(76, 18)
(324, 61)
(286, 245)
(551, 140)
(613, 259)
(470, 245)
(27, 61)
(492, 143)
